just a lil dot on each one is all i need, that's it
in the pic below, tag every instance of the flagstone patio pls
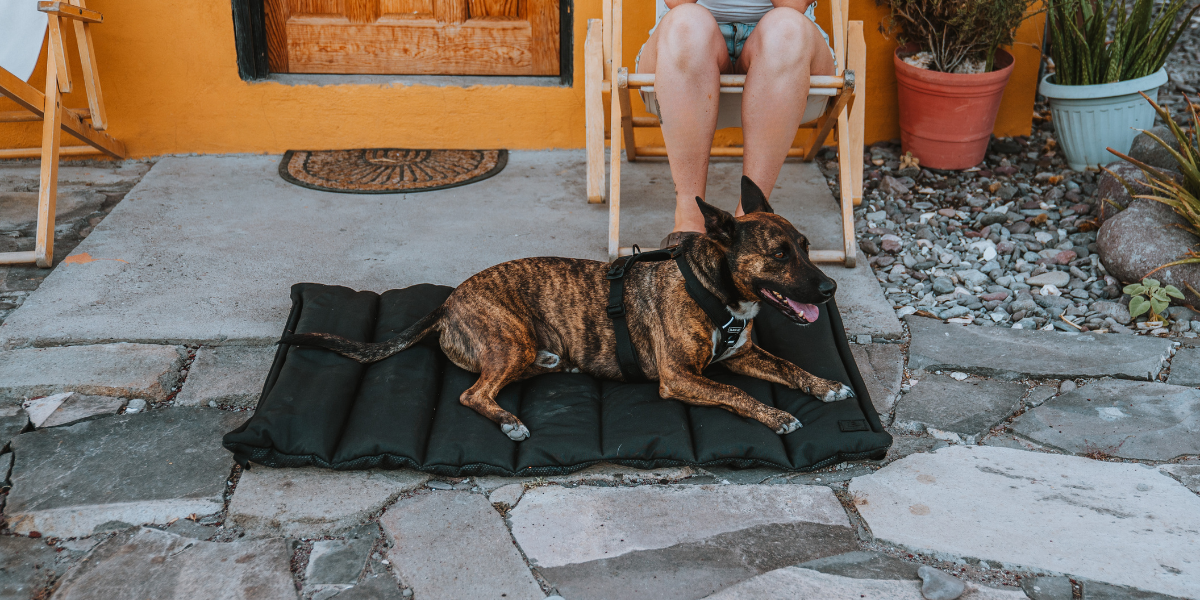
(1027, 464)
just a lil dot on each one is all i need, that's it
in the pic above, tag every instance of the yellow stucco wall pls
(171, 86)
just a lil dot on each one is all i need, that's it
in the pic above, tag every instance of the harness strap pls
(627, 360)
(732, 327)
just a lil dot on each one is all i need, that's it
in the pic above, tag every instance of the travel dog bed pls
(319, 408)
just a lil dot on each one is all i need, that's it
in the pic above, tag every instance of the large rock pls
(1112, 196)
(679, 541)
(27, 566)
(1147, 150)
(313, 502)
(1017, 354)
(450, 545)
(794, 582)
(882, 369)
(1185, 367)
(128, 370)
(1142, 420)
(1119, 523)
(148, 563)
(959, 411)
(125, 470)
(227, 375)
(1146, 236)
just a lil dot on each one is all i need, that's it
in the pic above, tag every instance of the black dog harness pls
(731, 330)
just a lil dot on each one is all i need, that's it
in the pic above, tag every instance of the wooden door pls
(426, 37)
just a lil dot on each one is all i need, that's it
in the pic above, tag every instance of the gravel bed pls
(1010, 242)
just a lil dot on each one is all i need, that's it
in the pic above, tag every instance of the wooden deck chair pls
(603, 74)
(47, 107)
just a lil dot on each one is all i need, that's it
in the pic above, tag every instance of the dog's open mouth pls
(796, 311)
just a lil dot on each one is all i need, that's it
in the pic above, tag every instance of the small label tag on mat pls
(854, 425)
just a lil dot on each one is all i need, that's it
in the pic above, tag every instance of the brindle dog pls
(542, 315)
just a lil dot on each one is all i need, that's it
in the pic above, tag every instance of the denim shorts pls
(736, 34)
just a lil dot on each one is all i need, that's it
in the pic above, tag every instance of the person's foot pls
(675, 238)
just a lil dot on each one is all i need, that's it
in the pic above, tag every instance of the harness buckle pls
(616, 311)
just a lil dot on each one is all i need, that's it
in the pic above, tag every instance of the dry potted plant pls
(951, 70)
(1105, 52)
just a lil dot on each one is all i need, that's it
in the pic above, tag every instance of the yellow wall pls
(171, 86)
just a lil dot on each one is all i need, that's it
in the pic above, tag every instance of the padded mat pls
(319, 408)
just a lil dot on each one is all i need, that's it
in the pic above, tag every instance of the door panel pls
(430, 37)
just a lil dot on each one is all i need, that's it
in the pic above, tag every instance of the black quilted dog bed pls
(319, 408)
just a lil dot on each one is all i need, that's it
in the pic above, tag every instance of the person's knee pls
(787, 33)
(688, 31)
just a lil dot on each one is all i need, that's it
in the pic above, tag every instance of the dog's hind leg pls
(701, 391)
(498, 368)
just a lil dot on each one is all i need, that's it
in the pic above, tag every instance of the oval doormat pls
(389, 170)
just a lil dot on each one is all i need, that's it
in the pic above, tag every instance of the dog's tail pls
(364, 352)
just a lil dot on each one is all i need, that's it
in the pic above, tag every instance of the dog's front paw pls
(516, 432)
(839, 392)
(781, 421)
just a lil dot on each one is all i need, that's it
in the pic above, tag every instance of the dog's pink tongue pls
(810, 312)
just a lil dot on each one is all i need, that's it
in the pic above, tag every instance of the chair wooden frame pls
(604, 75)
(47, 107)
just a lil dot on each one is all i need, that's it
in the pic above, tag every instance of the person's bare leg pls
(780, 55)
(687, 55)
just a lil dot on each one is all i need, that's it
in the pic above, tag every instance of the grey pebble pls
(937, 585)
(438, 485)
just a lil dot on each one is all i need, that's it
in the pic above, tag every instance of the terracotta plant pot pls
(946, 119)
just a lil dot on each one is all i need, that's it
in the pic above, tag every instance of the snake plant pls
(1085, 54)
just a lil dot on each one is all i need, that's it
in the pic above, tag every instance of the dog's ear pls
(753, 199)
(718, 224)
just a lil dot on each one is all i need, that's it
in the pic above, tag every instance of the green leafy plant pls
(1180, 193)
(1084, 53)
(1150, 295)
(955, 30)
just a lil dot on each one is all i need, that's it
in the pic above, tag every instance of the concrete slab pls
(313, 502)
(794, 582)
(119, 471)
(957, 411)
(558, 526)
(128, 370)
(451, 545)
(882, 369)
(1187, 474)
(1142, 420)
(175, 233)
(1033, 512)
(1185, 368)
(18, 210)
(227, 376)
(1017, 353)
(148, 563)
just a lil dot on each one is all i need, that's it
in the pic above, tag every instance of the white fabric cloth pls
(733, 11)
(22, 30)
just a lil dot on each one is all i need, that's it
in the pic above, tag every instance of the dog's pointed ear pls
(718, 224)
(753, 198)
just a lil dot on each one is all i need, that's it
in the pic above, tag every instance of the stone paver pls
(454, 545)
(1007, 353)
(118, 471)
(1185, 367)
(147, 563)
(680, 541)
(79, 407)
(205, 202)
(227, 376)
(863, 565)
(1188, 475)
(375, 587)
(1130, 419)
(340, 562)
(958, 411)
(882, 368)
(507, 496)
(313, 502)
(794, 582)
(128, 370)
(1034, 511)
(13, 420)
(26, 567)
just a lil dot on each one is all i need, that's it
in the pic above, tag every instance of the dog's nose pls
(827, 288)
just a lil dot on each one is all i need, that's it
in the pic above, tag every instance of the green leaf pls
(1159, 294)
(1138, 306)
(1174, 292)
(1158, 306)
(1134, 289)
(1152, 283)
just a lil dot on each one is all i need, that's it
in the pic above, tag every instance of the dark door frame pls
(250, 37)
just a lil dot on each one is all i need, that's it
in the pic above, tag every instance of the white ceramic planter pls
(1088, 119)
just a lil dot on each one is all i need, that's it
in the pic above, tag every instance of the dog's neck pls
(710, 263)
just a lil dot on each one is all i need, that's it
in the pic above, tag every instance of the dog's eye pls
(780, 255)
